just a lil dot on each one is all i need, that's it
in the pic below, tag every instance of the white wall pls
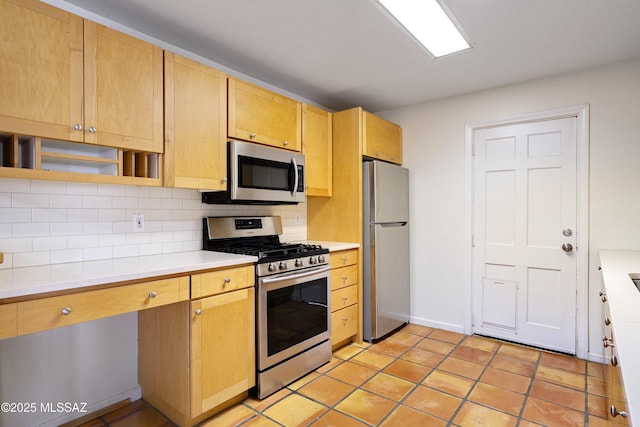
(49, 222)
(434, 151)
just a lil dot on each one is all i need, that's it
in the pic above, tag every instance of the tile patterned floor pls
(425, 377)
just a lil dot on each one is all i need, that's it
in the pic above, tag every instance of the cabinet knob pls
(344, 319)
(66, 311)
(344, 279)
(615, 412)
(286, 143)
(78, 126)
(152, 294)
(225, 180)
(227, 280)
(92, 129)
(344, 259)
(198, 311)
(252, 135)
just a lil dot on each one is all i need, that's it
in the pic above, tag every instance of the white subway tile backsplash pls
(30, 229)
(48, 215)
(44, 222)
(21, 200)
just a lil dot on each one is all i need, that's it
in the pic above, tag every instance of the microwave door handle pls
(295, 176)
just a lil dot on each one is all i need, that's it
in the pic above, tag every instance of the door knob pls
(567, 247)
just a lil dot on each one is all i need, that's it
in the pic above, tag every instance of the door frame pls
(581, 112)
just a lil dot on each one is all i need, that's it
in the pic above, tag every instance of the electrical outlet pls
(138, 223)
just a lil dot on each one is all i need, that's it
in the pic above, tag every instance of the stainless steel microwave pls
(259, 174)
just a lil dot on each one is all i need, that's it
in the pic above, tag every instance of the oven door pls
(265, 174)
(293, 314)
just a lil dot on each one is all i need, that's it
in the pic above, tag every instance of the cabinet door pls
(195, 124)
(316, 146)
(222, 348)
(123, 90)
(381, 139)
(41, 69)
(259, 115)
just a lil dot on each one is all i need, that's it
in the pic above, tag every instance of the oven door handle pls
(295, 276)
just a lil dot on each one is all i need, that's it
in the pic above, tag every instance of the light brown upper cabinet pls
(316, 146)
(259, 115)
(381, 139)
(72, 79)
(195, 124)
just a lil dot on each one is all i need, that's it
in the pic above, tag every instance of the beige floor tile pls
(506, 380)
(560, 361)
(474, 415)
(520, 352)
(389, 348)
(435, 346)
(304, 380)
(403, 416)
(402, 337)
(257, 421)
(595, 369)
(329, 365)
(326, 390)
(554, 393)
(295, 410)
(366, 406)
(447, 336)
(420, 330)
(372, 360)
(148, 417)
(449, 383)
(481, 343)
(513, 364)
(462, 368)
(598, 422)
(497, 398)
(434, 402)
(407, 370)
(388, 386)
(231, 417)
(423, 357)
(261, 405)
(548, 413)
(352, 373)
(337, 419)
(347, 352)
(472, 355)
(562, 377)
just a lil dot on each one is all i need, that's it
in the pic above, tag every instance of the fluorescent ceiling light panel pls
(429, 24)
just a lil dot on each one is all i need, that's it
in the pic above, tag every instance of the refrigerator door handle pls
(391, 224)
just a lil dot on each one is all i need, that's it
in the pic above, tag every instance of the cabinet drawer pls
(345, 276)
(48, 313)
(8, 320)
(343, 258)
(344, 297)
(344, 323)
(219, 281)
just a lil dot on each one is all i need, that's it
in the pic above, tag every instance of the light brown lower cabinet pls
(344, 296)
(198, 357)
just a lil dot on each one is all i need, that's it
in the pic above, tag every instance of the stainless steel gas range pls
(292, 297)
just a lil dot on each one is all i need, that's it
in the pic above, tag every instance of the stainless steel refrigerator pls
(385, 248)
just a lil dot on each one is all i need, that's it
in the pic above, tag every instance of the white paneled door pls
(524, 228)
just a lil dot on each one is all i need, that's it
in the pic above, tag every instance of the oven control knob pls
(321, 258)
(313, 260)
(283, 265)
(299, 263)
(272, 267)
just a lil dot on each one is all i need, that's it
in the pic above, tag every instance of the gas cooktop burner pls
(259, 237)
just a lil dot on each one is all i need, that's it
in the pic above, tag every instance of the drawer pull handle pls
(227, 280)
(615, 412)
(344, 278)
(198, 311)
(344, 259)
(344, 319)
(66, 311)
(152, 294)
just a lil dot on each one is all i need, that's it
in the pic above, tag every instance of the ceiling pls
(346, 53)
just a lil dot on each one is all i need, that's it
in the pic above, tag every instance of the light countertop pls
(18, 282)
(624, 307)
